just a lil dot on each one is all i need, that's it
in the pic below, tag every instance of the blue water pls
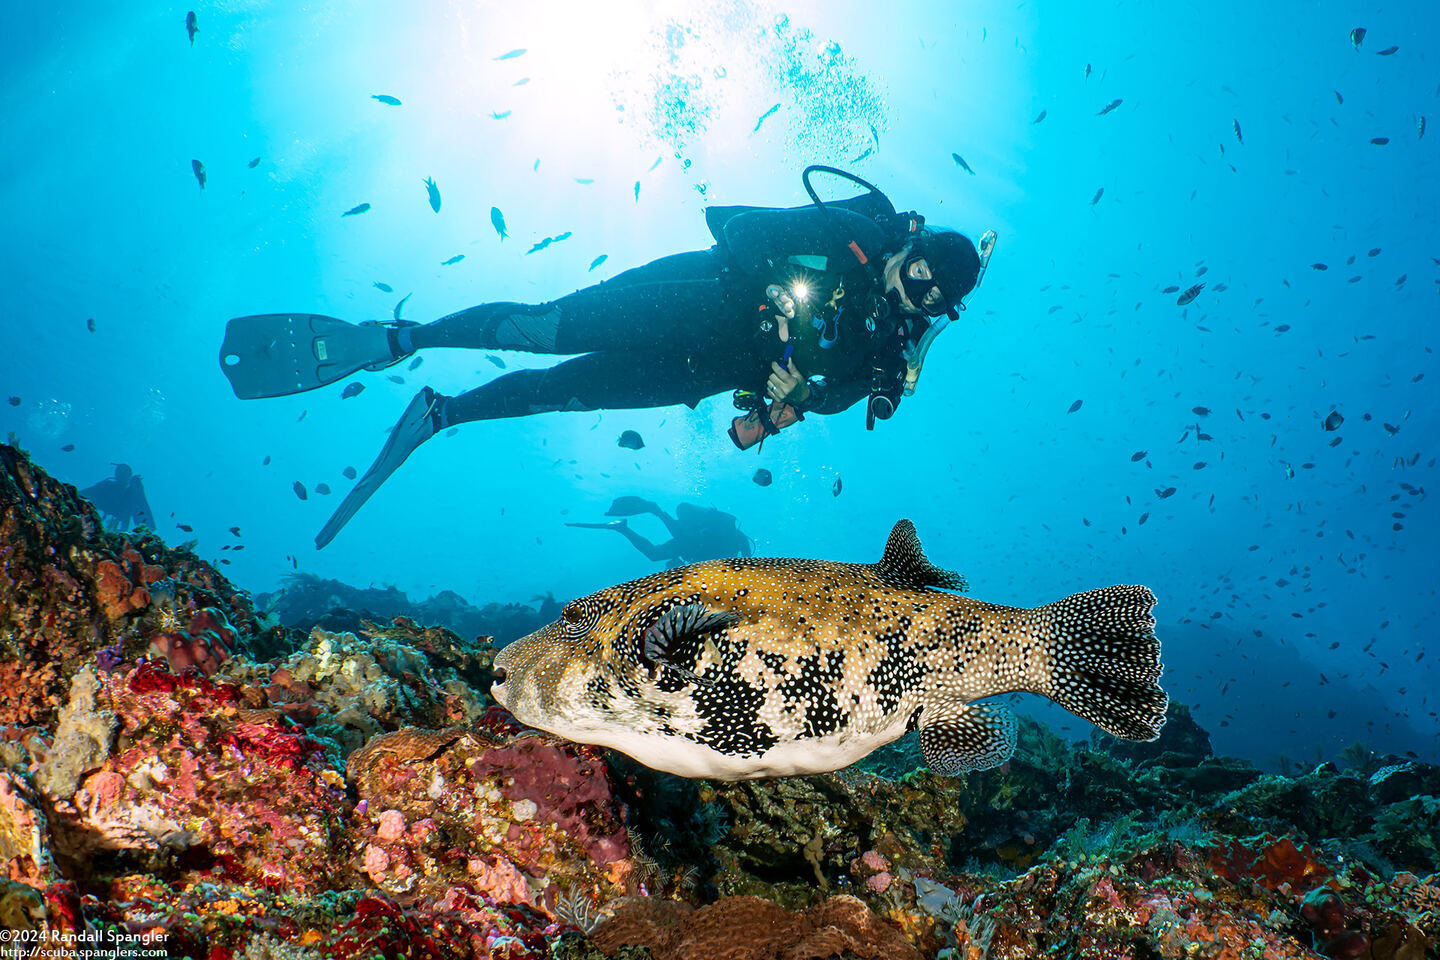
(107, 106)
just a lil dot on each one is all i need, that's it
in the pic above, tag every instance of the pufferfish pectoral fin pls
(958, 738)
(673, 639)
(904, 562)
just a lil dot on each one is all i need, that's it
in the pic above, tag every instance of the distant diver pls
(121, 499)
(850, 292)
(696, 533)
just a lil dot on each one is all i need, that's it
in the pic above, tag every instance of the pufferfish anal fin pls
(673, 639)
(958, 738)
(904, 562)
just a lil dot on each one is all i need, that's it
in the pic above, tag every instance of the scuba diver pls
(696, 533)
(121, 499)
(809, 308)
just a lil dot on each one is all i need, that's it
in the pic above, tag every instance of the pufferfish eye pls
(580, 616)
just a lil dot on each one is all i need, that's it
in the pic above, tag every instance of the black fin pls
(904, 562)
(1106, 660)
(958, 738)
(673, 640)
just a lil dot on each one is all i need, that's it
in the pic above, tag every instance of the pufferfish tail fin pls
(1106, 660)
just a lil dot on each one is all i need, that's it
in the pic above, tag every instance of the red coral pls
(1270, 862)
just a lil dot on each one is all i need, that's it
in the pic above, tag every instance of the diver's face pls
(916, 287)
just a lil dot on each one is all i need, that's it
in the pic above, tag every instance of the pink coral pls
(392, 825)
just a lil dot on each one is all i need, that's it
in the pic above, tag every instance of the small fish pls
(434, 193)
(395, 378)
(585, 180)
(453, 260)
(541, 245)
(1075, 406)
(1143, 517)
(352, 389)
(302, 415)
(1338, 99)
(15, 401)
(960, 162)
(631, 440)
(90, 324)
(1138, 455)
(1108, 107)
(401, 304)
(235, 531)
(1379, 141)
(497, 220)
(192, 26)
(495, 360)
(348, 473)
(743, 668)
(762, 478)
(384, 287)
(1040, 117)
(1357, 37)
(254, 163)
(1165, 494)
(1087, 71)
(1238, 135)
(765, 116)
(637, 191)
(862, 156)
(501, 115)
(562, 236)
(1098, 194)
(386, 99)
(598, 260)
(836, 487)
(519, 52)
(1373, 252)
(68, 448)
(1189, 295)
(415, 364)
(655, 164)
(1388, 51)
(1319, 266)
(359, 208)
(1420, 126)
(1171, 289)
(198, 169)
(321, 488)
(266, 461)
(1200, 411)
(299, 489)
(1333, 421)
(186, 527)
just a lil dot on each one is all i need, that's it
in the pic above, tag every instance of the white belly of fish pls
(686, 758)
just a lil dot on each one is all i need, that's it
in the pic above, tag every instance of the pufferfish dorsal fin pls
(904, 562)
(958, 738)
(672, 640)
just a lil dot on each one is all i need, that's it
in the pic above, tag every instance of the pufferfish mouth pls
(497, 689)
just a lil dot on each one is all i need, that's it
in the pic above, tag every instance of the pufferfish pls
(742, 668)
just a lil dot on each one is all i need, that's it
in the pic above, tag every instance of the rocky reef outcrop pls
(181, 772)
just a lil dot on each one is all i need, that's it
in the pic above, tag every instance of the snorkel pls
(915, 350)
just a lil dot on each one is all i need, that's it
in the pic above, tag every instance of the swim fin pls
(277, 354)
(612, 525)
(629, 506)
(416, 425)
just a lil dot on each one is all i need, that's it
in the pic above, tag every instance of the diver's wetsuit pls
(689, 326)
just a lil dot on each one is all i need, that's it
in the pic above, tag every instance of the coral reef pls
(308, 601)
(176, 772)
(69, 589)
